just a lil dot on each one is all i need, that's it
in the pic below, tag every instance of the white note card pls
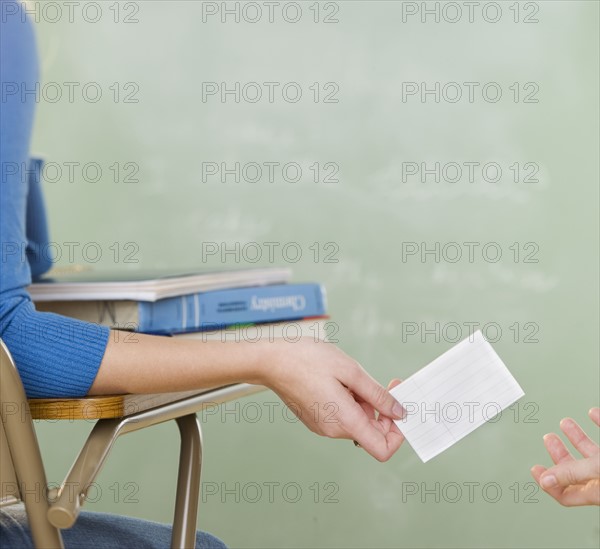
(453, 395)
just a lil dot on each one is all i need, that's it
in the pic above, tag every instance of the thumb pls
(594, 414)
(393, 383)
(571, 472)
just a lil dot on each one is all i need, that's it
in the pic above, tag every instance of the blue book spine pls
(218, 309)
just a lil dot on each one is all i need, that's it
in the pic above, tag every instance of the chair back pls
(9, 487)
(22, 474)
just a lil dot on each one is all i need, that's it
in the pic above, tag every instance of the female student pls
(89, 361)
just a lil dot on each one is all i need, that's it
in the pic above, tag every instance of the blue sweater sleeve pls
(56, 356)
(36, 225)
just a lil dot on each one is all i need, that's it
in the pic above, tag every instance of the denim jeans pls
(97, 531)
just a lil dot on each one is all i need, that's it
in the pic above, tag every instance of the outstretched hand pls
(572, 481)
(328, 391)
(335, 397)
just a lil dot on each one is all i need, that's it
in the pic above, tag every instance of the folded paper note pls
(453, 395)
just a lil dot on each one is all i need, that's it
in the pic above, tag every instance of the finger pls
(571, 473)
(393, 383)
(394, 439)
(387, 423)
(361, 383)
(557, 449)
(578, 438)
(381, 422)
(384, 422)
(571, 496)
(394, 428)
(578, 495)
(536, 472)
(381, 445)
(556, 492)
(367, 408)
(594, 414)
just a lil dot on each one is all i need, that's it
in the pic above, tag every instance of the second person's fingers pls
(578, 438)
(571, 473)
(594, 414)
(557, 449)
(370, 391)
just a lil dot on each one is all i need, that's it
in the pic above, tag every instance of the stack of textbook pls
(208, 305)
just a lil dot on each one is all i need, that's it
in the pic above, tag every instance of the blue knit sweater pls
(56, 356)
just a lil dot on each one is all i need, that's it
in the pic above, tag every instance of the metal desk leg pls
(188, 483)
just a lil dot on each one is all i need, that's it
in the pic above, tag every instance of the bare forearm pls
(311, 377)
(151, 364)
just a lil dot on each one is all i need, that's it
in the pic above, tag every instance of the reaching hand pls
(572, 482)
(333, 396)
(329, 391)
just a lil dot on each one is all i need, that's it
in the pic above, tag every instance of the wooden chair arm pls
(103, 407)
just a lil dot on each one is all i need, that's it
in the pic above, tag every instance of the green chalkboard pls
(434, 164)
